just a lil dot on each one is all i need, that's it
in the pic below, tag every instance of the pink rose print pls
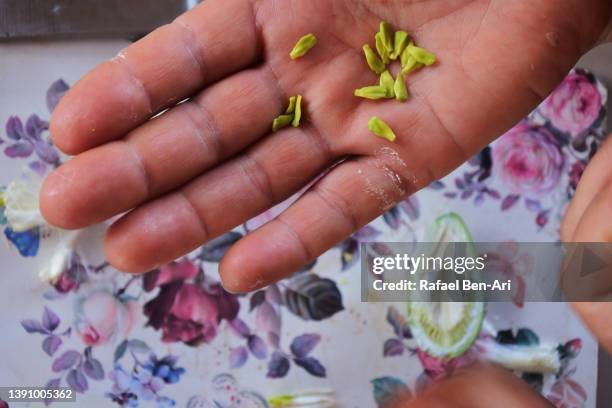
(576, 171)
(171, 272)
(509, 263)
(439, 368)
(567, 393)
(575, 105)
(72, 277)
(528, 159)
(100, 316)
(65, 284)
(192, 318)
(185, 309)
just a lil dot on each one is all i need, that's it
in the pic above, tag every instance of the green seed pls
(371, 92)
(386, 82)
(412, 66)
(303, 45)
(400, 43)
(298, 112)
(399, 88)
(421, 55)
(291, 107)
(382, 50)
(281, 122)
(381, 129)
(387, 35)
(409, 63)
(373, 60)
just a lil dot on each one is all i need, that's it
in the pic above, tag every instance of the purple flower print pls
(528, 159)
(47, 326)
(55, 92)
(395, 346)
(165, 368)
(145, 381)
(27, 140)
(350, 246)
(300, 350)
(575, 105)
(140, 384)
(185, 309)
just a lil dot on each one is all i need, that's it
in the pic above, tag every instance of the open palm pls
(211, 163)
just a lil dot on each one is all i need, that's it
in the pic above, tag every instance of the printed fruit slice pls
(447, 329)
(448, 228)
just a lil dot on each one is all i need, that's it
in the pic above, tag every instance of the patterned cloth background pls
(174, 337)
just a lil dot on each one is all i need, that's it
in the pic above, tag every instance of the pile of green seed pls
(390, 46)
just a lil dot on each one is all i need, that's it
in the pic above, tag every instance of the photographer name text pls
(464, 285)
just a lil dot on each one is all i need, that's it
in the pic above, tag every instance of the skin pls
(587, 219)
(465, 390)
(211, 163)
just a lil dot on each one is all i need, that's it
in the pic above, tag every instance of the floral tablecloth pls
(175, 338)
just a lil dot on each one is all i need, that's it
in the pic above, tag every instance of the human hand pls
(479, 386)
(209, 164)
(587, 219)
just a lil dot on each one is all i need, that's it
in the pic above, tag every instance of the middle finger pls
(164, 153)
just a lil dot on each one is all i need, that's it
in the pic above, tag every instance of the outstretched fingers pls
(348, 197)
(210, 42)
(168, 227)
(164, 153)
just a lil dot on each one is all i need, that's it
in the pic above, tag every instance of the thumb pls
(588, 220)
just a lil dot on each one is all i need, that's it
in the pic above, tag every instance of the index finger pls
(212, 41)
